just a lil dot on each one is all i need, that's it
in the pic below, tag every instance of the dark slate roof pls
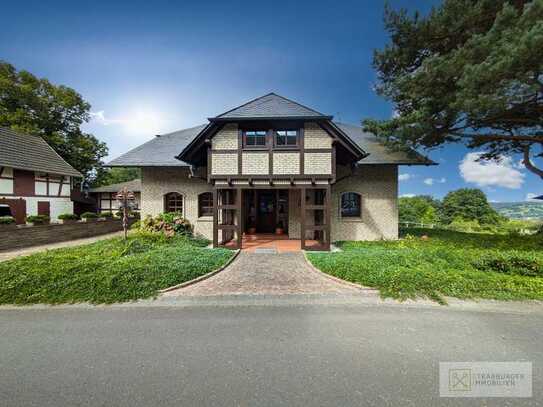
(378, 153)
(270, 106)
(31, 153)
(134, 186)
(539, 197)
(160, 151)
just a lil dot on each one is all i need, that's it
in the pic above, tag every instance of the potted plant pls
(279, 228)
(35, 220)
(7, 222)
(67, 218)
(89, 217)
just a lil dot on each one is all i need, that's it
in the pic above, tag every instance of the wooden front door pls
(17, 208)
(265, 218)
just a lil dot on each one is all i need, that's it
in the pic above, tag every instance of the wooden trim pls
(215, 218)
(302, 218)
(225, 151)
(302, 148)
(240, 151)
(315, 207)
(284, 177)
(209, 163)
(227, 207)
(328, 217)
(227, 227)
(318, 150)
(286, 147)
(334, 165)
(270, 151)
(239, 219)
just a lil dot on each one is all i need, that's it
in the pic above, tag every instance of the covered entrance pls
(285, 218)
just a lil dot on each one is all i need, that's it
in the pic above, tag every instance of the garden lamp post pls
(126, 200)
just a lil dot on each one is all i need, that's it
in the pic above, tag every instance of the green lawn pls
(107, 271)
(448, 263)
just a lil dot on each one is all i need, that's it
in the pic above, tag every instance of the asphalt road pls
(314, 355)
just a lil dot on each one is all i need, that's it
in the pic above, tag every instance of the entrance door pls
(265, 219)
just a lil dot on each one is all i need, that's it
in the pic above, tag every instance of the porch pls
(285, 218)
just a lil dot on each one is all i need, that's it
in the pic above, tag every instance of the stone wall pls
(286, 163)
(317, 163)
(226, 138)
(255, 163)
(158, 181)
(316, 137)
(26, 236)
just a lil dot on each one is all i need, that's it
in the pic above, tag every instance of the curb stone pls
(201, 278)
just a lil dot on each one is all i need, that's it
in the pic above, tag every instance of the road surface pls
(297, 355)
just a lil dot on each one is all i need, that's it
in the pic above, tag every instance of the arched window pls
(205, 204)
(350, 205)
(173, 202)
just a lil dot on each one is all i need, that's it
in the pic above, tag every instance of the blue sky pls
(150, 67)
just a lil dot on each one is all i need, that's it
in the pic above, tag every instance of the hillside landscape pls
(520, 210)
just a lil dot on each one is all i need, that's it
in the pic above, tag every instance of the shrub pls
(513, 262)
(136, 225)
(169, 223)
(68, 216)
(107, 215)
(7, 220)
(89, 215)
(38, 219)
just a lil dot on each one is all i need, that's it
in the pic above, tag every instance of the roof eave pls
(257, 118)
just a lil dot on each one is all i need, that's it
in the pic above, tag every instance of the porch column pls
(302, 217)
(215, 218)
(327, 217)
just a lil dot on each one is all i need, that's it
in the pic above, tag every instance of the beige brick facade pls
(317, 163)
(226, 138)
(255, 163)
(286, 163)
(316, 137)
(224, 164)
(157, 182)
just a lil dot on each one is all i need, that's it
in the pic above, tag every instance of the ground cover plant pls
(432, 263)
(108, 271)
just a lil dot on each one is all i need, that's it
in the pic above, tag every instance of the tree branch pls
(528, 164)
(499, 137)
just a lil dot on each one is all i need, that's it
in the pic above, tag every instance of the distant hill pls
(519, 210)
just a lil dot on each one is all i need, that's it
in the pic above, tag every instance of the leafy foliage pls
(7, 220)
(447, 263)
(168, 223)
(89, 215)
(68, 216)
(116, 176)
(470, 71)
(418, 209)
(38, 219)
(56, 113)
(468, 204)
(108, 271)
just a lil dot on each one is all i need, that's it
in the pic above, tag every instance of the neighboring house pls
(106, 196)
(274, 163)
(34, 179)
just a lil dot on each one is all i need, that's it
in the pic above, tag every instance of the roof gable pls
(32, 153)
(270, 106)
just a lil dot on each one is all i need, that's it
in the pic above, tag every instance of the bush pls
(136, 225)
(514, 262)
(7, 220)
(68, 216)
(169, 223)
(107, 215)
(38, 219)
(89, 215)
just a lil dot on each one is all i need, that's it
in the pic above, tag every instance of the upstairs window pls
(350, 205)
(286, 138)
(254, 138)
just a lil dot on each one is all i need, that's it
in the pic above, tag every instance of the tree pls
(117, 175)
(469, 205)
(418, 209)
(471, 71)
(35, 106)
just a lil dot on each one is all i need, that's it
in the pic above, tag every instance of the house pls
(106, 196)
(34, 179)
(273, 165)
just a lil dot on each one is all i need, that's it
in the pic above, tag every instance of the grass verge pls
(446, 263)
(107, 271)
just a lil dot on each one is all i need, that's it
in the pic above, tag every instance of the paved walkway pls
(263, 273)
(26, 251)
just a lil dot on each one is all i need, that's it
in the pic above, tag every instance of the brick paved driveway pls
(263, 273)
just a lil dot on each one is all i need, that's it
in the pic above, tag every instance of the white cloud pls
(530, 197)
(432, 181)
(134, 122)
(500, 173)
(405, 177)
(407, 195)
(100, 118)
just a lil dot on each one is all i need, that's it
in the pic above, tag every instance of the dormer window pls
(286, 138)
(254, 138)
